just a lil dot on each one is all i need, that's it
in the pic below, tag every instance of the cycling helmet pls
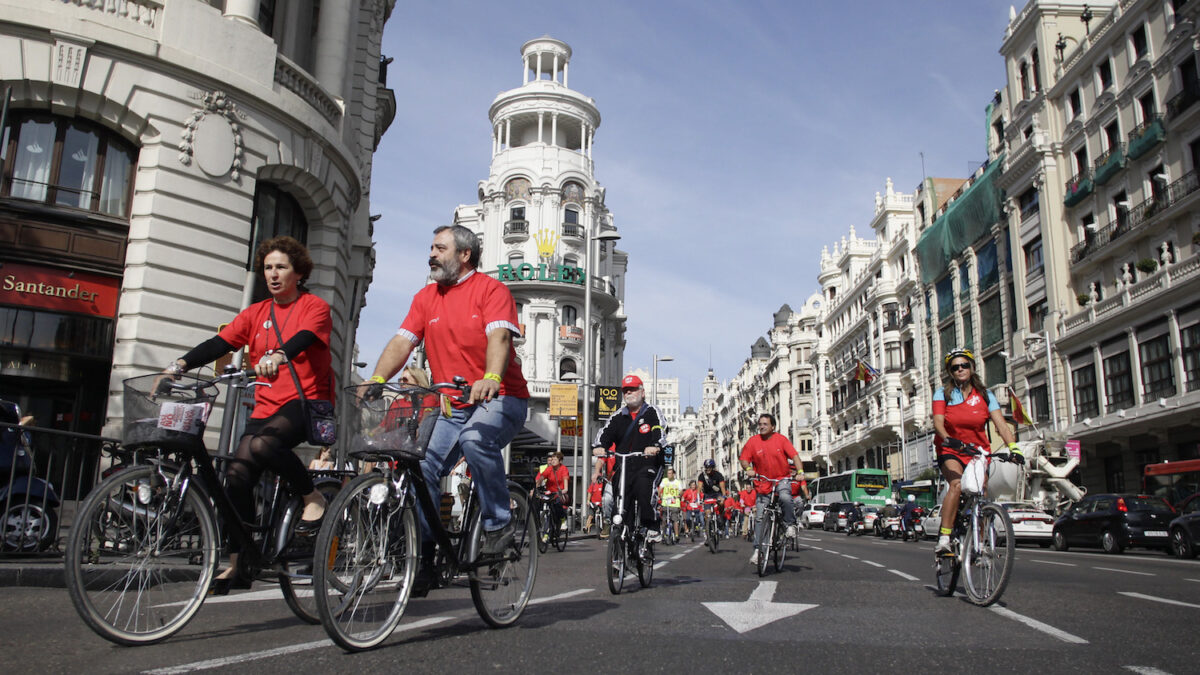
(956, 352)
(890, 502)
(912, 498)
(710, 464)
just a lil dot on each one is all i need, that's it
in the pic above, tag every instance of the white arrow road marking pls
(756, 612)
(1157, 599)
(1038, 625)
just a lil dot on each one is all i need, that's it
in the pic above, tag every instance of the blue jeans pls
(784, 489)
(479, 432)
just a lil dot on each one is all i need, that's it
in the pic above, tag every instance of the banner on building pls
(608, 400)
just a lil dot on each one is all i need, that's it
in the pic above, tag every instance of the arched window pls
(516, 258)
(67, 162)
(276, 214)
(566, 366)
(570, 315)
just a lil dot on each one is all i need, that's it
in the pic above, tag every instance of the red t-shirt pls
(967, 420)
(731, 505)
(796, 485)
(252, 327)
(769, 457)
(595, 494)
(556, 478)
(689, 500)
(453, 322)
(748, 497)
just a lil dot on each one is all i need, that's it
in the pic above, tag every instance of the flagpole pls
(1012, 394)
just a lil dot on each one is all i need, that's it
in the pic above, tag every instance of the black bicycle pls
(712, 531)
(774, 544)
(368, 548)
(628, 545)
(146, 541)
(549, 529)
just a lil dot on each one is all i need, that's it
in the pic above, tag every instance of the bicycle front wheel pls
(645, 565)
(712, 536)
(615, 561)
(988, 555)
(365, 562)
(140, 555)
(501, 589)
(764, 546)
(544, 524)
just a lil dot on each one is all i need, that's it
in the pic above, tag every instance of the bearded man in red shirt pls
(766, 454)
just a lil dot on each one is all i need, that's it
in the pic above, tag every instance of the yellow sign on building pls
(564, 401)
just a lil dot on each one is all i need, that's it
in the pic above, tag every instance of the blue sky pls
(737, 139)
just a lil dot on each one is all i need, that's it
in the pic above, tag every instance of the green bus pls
(869, 486)
(924, 492)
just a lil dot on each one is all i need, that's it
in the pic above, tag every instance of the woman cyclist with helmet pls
(961, 410)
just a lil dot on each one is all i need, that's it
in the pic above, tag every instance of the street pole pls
(1050, 379)
(903, 442)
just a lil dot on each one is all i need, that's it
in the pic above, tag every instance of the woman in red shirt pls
(277, 424)
(555, 477)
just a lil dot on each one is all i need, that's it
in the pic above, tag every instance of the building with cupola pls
(538, 209)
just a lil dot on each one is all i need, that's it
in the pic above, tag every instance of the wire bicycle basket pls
(384, 420)
(167, 411)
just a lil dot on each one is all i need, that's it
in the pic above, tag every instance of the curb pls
(32, 576)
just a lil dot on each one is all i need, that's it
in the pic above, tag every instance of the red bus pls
(1172, 481)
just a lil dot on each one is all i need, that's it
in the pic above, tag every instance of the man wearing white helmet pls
(908, 513)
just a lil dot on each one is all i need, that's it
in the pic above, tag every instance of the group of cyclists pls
(466, 322)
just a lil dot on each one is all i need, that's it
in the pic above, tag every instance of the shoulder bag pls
(320, 420)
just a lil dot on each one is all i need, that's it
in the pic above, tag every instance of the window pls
(1075, 103)
(1114, 476)
(570, 315)
(1104, 73)
(1190, 340)
(276, 214)
(1081, 160)
(565, 367)
(517, 213)
(266, 16)
(1118, 382)
(67, 162)
(1033, 257)
(1037, 70)
(1138, 42)
(1037, 317)
(1028, 202)
(968, 329)
(1112, 135)
(991, 324)
(571, 216)
(994, 368)
(1158, 185)
(1023, 79)
(1157, 379)
(29, 329)
(1083, 381)
(1040, 402)
(1121, 208)
(987, 264)
(1147, 107)
(1088, 227)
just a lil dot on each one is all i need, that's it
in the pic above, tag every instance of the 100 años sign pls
(540, 272)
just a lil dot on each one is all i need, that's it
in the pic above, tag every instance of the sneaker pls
(545, 537)
(653, 536)
(943, 545)
(498, 541)
(754, 558)
(790, 532)
(564, 526)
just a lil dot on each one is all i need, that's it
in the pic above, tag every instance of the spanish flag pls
(1018, 410)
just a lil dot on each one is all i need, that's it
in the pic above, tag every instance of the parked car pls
(1030, 524)
(1114, 522)
(1185, 530)
(835, 517)
(814, 515)
(932, 522)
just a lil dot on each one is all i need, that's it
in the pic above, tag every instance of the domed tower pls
(536, 209)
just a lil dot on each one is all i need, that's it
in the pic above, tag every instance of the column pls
(539, 66)
(508, 133)
(1175, 340)
(554, 75)
(495, 138)
(566, 70)
(333, 46)
(541, 119)
(524, 70)
(1101, 389)
(245, 11)
(1135, 366)
(554, 129)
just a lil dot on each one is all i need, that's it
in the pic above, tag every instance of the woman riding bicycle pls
(278, 422)
(961, 410)
(555, 478)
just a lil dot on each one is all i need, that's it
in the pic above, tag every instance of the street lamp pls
(1031, 342)
(654, 378)
(587, 336)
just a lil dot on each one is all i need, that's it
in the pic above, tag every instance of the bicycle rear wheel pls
(988, 555)
(615, 560)
(139, 558)
(780, 546)
(365, 561)
(560, 538)
(502, 589)
(296, 563)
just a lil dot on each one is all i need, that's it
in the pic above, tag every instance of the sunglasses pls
(955, 367)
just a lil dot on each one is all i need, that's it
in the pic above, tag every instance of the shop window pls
(1083, 384)
(66, 162)
(276, 214)
(29, 329)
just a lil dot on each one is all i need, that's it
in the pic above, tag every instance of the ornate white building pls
(536, 210)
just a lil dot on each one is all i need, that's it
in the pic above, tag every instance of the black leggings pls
(267, 444)
(641, 488)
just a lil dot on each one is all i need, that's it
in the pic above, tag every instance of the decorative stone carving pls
(1094, 292)
(68, 62)
(1126, 274)
(213, 136)
(1166, 257)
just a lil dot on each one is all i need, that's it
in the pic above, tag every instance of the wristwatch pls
(174, 368)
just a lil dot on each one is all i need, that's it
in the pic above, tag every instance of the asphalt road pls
(841, 605)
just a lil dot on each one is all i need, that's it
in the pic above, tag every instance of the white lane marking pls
(1157, 599)
(278, 651)
(1196, 580)
(849, 556)
(1038, 625)
(677, 556)
(902, 574)
(560, 596)
(1113, 569)
(1051, 562)
(1146, 670)
(829, 550)
(660, 563)
(810, 538)
(873, 563)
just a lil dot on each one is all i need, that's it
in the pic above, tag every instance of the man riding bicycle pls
(467, 322)
(636, 428)
(669, 491)
(711, 487)
(766, 454)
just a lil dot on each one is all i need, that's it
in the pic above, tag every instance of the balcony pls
(1078, 187)
(1183, 100)
(570, 334)
(516, 231)
(1109, 164)
(1146, 136)
(573, 231)
(1136, 217)
(1147, 290)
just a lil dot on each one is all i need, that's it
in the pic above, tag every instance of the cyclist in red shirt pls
(595, 499)
(961, 410)
(767, 454)
(555, 477)
(691, 507)
(733, 511)
(747, 498)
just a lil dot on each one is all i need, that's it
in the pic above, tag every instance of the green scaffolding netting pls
(967, 219)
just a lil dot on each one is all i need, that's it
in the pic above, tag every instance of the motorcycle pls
(30, 504)
(892, 528)
(916, 530)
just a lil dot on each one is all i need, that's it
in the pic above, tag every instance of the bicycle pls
(627, 544)
(368, 548)
(549, 529)
(982, 539)
(144, 546)
(774, 542)
(712, 531)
